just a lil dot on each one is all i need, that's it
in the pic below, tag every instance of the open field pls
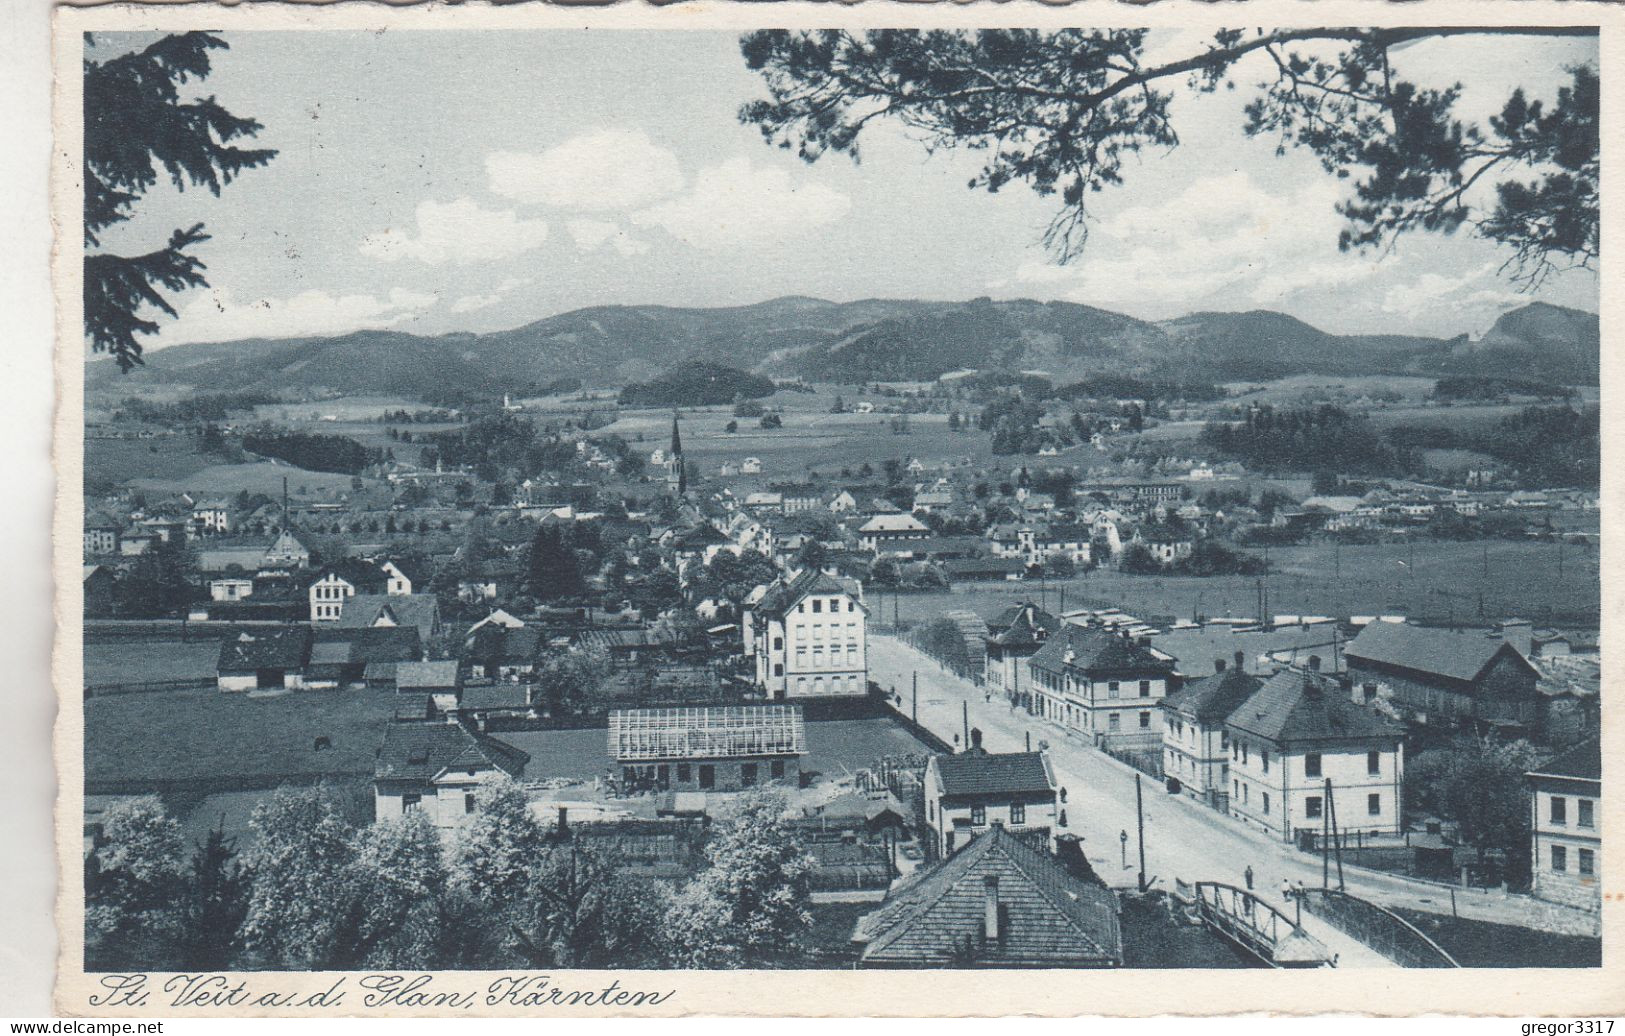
(172, 458)
(1438, 580)
(149, 661)
(136, 742)
(812, 439)
(259, 477)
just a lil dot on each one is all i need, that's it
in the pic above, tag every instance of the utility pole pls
(1139, 819)
(1326, 838)
(916, 697)
(1337, 838)
(965, 712)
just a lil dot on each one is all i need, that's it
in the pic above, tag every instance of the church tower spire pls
(677, 456)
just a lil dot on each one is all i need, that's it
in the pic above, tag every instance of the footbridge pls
(1256, 926)
(1377, 928)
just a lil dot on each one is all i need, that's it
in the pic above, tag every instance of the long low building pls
(708, 749)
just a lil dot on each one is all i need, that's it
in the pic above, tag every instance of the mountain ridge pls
(873, 339)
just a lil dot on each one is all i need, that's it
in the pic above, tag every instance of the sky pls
(438, 181)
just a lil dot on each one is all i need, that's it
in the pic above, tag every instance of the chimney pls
(1241, 661)
(1218, 665)
(564, 819)
(1520, 634)
(990, 907)
(1314, 663)
(975, 739)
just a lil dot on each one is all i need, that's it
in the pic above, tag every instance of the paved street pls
(1183, 839)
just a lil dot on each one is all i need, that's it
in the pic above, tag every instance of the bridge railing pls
(1255, 924)
(1377, 927)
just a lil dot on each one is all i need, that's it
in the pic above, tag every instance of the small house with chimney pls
(969, 792)
(438, 768)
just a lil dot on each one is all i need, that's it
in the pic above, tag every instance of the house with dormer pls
(1103, 684)
(438, 769)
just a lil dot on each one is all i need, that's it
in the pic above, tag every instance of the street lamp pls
(1122, 838)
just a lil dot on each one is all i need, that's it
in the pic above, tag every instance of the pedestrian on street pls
(1300, 888)
(1286, 890)
(1248, 874)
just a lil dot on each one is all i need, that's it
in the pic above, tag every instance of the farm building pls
(708, 749)
(261, 660)
(1441, 678)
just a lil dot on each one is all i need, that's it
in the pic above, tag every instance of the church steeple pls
(677, 456)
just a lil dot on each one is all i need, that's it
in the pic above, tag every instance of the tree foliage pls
(750, 905)
(1478, 785)
(136, 124)
(303, 847)
(1063, 111)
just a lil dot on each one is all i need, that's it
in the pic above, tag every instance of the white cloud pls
(459, 232)
(484, 300)
(737, 202)
(591, 234)
(216, 316)
(469, 303)
(1225, 241)
(606, 170)
(1477, 290)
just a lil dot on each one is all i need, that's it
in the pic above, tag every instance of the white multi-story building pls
(1195, 743)
(809, 637)
(1295, 734)
(1103, 684)
(1565, 796)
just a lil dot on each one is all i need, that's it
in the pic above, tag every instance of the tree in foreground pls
(1063, 111)
(581, 912)
(394, 893)
(495, 852)
(135, 124)
(749, 907)
(213, 906)
(132, 882)
(301, 857)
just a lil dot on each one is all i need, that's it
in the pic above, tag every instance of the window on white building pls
(1560, 858)
(1585, 809)
(1588, 862)
(1311, 764)
(1373, 804)
(1311, 807)
(1559, 810)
